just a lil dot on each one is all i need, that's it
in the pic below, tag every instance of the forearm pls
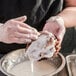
(69, 16)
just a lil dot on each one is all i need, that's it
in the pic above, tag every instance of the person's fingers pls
(21, 19)
(57, 47)
(35, 31)
(21, 40)
(21, 26)
(26, 30)
(16, 30)
(60, 38)
(23, 30)
(15, 23)
(57, 51)
(26, 36)
(57, 42)
(61, 33)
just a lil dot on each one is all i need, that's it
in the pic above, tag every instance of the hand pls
(57, 29)
(15, 31)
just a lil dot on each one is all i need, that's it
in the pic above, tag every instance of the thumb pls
(61, 34)
(21, 19)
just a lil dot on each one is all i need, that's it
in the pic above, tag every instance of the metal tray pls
(71, 64)
(17, 57)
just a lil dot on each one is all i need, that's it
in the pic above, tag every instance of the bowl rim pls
(61, 66)
(67, 63)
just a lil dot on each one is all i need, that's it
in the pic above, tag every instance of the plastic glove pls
(57, 29)
(15, 31)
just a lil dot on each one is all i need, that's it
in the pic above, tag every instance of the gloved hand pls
(56, 26)
(16, 31)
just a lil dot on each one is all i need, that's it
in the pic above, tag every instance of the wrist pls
(57, 19)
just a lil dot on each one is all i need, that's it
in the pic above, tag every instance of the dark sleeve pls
(5, 48)
(69, 41)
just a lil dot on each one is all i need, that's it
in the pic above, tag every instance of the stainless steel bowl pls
(71, 64)
(18, 57)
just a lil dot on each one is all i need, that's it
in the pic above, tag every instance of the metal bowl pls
(16, 60)
(71, 64)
